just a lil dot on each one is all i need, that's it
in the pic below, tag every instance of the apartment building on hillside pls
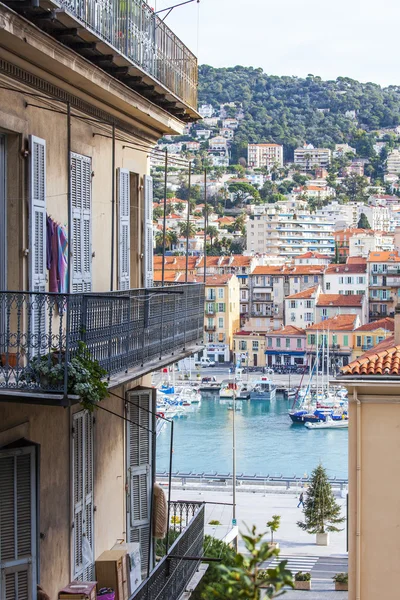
(264, 155)
(393, 162)
(309, 157)
(346, 279)
(86, 90)
(300, 308)
(330, 305)
(290, 234)
(384, 283)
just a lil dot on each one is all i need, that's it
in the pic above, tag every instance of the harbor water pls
(266, 440)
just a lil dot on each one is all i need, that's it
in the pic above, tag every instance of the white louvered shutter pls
(82, 464)
(148, 276)
(37, 243)
(124, 235)
(81, 199)
(18, 537)
(140, 470)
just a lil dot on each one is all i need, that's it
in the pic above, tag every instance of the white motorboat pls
(264, 389)
(329, 423)
(244, 390)
(227, 390)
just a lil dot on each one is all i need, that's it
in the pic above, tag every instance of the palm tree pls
(170, 238)
(212, 232)
(187, 229)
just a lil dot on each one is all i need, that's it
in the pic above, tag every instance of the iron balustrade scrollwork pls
(170, 577)
(121, 330)
(132, 28)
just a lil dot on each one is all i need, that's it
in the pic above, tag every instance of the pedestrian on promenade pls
(301, 500)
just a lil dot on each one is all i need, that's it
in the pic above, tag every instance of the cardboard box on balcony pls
(133, 564)
(79, 590)
(111, 571)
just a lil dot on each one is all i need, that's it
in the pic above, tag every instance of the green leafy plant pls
(84, 375)
(274, 525)
(215, 522)
(245, 578)
(341, 578)
(322, 513)
(300, 576)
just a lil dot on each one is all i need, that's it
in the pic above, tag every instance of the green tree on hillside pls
(363, 222)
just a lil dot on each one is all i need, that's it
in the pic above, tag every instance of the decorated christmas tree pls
(322, 514)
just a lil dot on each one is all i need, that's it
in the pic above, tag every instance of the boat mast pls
(327, 366)
(317, 361)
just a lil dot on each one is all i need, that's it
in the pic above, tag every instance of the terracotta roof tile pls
(337, 323)
(340, 300)
(295, 270)
(348, 268)
(392, 256)
(288, 330)
(387, 323)
(313, 255)
(356, 260)
(384, 359)
(308, 293)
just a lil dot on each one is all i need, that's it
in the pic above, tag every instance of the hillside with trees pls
(292, 110)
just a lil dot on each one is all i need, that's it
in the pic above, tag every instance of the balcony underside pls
(78, 32)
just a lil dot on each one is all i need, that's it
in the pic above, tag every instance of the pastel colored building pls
(338, 333)
(249, 348)
(370, 335)
(286, 346)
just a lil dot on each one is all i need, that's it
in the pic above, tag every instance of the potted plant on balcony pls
(85, 376)
(341, 582)
(322, 513)
(302, 581)
(274, 525)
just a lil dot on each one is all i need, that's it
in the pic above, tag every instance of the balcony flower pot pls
(341, 587)
(10, 359)
(323, 539)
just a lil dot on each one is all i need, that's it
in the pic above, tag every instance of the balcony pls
(127, 40)
(210, 311)
(210, 328)
(170, 577)
(129, 333)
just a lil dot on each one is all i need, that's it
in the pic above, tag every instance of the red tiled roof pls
(312, 255)
(356, 260)
(384, 359)
(339, 300)
(174, 263)
(392, 256)
(386, 323)
(295, 270)
(347, 268)
(337, 323)
(304, 294)
(243, 332)
(288, 330)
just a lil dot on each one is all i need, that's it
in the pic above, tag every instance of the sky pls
(347, 38)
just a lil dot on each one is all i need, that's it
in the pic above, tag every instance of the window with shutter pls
(124, 229)
(18, 524)
(81, 200)
(82, 481)
(37, 243)
(140, 469)
(148, 276)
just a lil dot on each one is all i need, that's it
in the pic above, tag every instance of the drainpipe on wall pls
(358, 499)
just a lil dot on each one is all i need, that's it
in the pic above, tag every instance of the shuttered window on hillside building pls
(140, 465)
(148, 232)
(124, 234)
(18, 538)
(82, 493)
(81, 200)
(37, 244)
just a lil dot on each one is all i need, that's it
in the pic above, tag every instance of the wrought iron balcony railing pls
(127, 39)
(121, 330)
(171, 575)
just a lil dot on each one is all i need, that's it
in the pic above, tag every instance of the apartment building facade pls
(330, 305)
(346, 279)
(287, 346)
(369, 335)
(338, 333)
(76, 272)
(249, 348)
(264, 155)
(384, 283)
(300, 308)
(308, 157)
(290, 234)
(222, 316)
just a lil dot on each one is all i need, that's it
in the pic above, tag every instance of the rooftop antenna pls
(171, 8)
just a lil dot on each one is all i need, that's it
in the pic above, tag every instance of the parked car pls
(204, 362)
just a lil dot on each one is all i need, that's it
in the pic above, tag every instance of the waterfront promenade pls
(297, 546)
